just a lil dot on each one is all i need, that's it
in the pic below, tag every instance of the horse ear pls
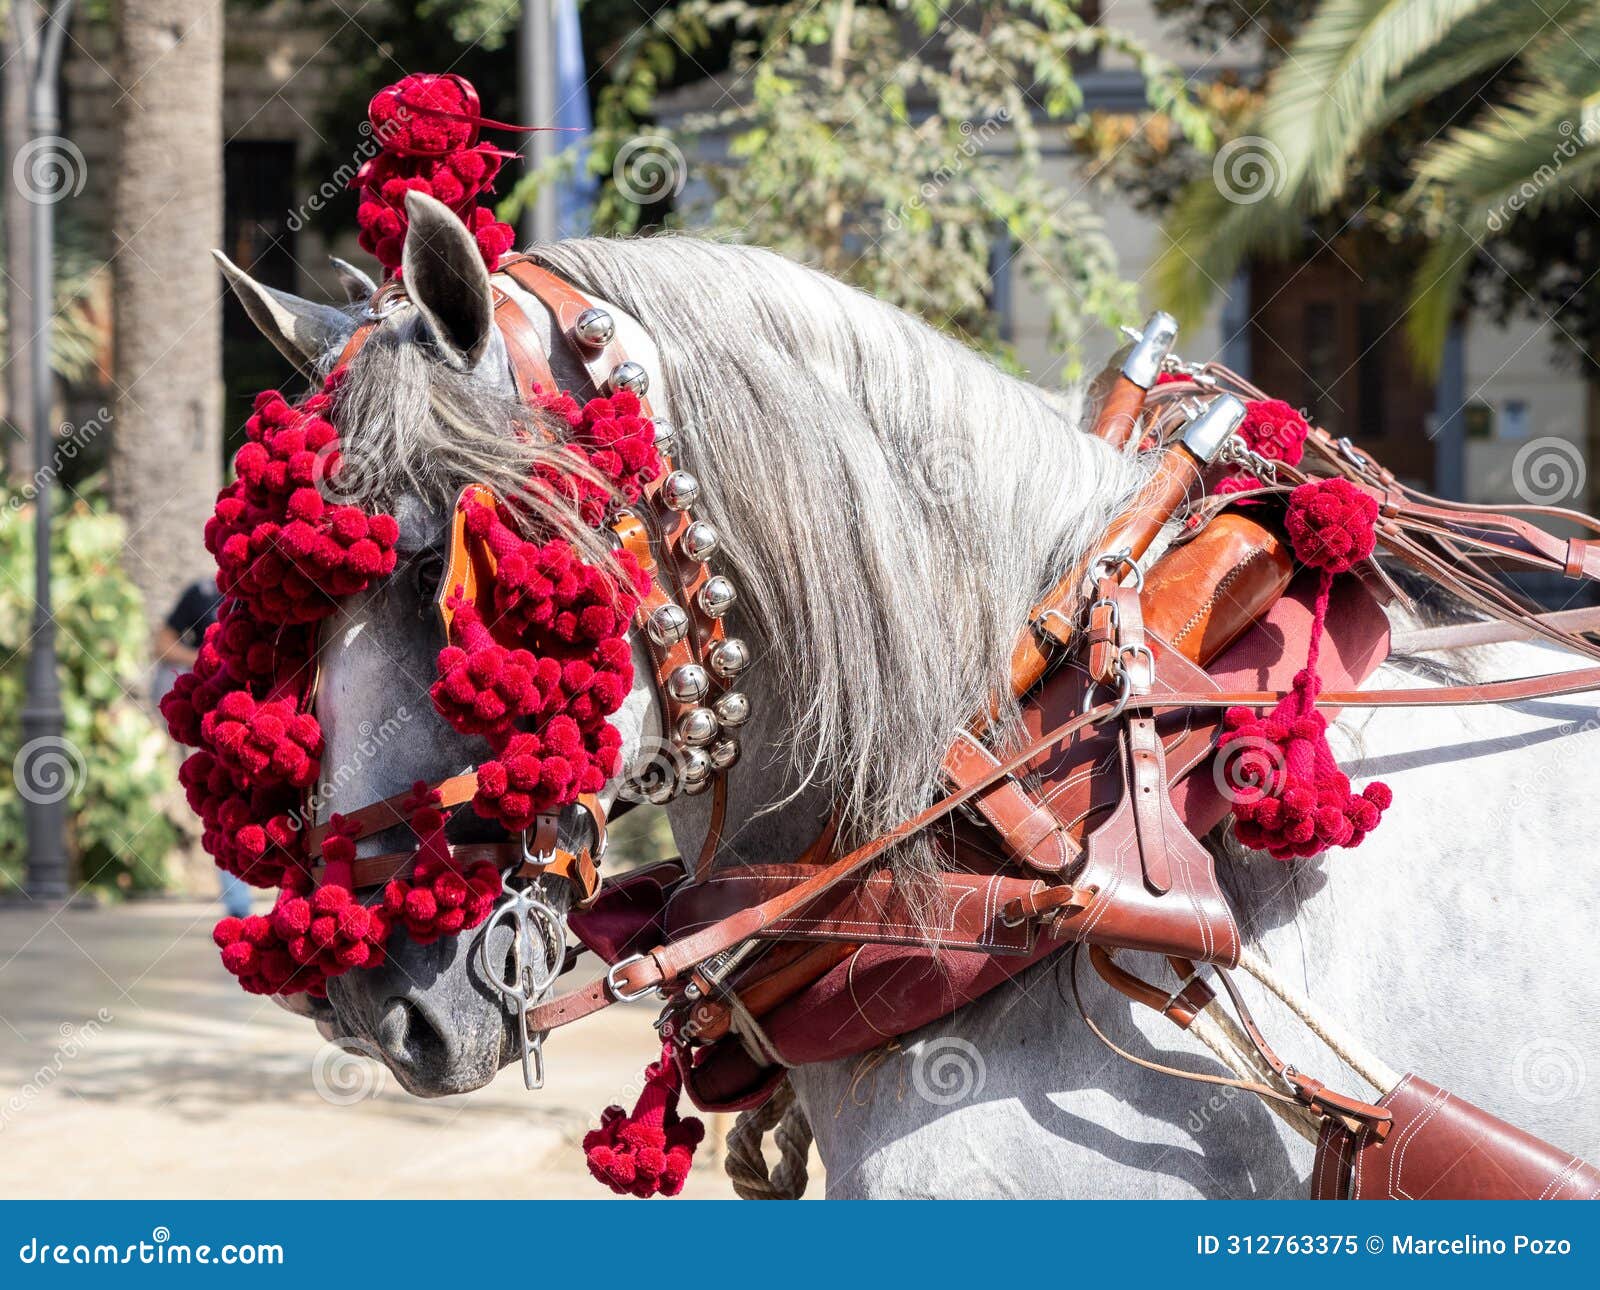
(446, 278)
(358, 287)
(302, 330)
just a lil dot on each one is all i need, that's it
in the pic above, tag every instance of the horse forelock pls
(414, 427)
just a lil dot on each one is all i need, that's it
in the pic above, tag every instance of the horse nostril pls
(408, 1037)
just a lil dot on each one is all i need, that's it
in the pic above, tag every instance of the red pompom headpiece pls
(428, 128)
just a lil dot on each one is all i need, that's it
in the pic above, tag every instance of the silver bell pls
(668, 625)
(724, 753)
(680, 490)
(666, 437)
(697, 726)
(630, 376)
(662, 793)
(688, 684)
(594, 328)
(717, 597)
(732, 709)
(699, 541)
(695, 769)
(697, 787)
(729, 658)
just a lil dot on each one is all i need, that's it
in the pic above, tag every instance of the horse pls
(890, 505)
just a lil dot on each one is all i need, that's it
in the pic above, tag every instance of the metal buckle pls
(540, 859)
(538, 949)
(1123, 651)
(716, 969)
(614, 987)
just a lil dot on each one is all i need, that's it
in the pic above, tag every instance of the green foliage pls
(119, 832)
(1499, 102)
(901, 149)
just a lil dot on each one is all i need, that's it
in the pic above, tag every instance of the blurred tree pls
(900, 148)
(166, 454)
(1436, 126)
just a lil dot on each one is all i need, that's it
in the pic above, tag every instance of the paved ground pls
(131, 1065)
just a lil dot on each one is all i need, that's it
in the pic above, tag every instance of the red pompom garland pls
(536, 663)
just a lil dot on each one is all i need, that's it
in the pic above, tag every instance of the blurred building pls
(1314, 333)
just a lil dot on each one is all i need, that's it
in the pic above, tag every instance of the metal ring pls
(1124, 693)
(1113, 560)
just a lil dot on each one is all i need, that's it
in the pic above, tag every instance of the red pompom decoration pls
(1274, 430)
(438, 898)
(1331, 524)
(646, 1152)
(1291, 798)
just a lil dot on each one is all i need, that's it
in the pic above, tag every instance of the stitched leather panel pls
(1441, 1147)
(960, 912)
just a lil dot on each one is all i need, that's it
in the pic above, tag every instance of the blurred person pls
(177, 644)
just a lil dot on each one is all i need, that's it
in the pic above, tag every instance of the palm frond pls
(1435, 294)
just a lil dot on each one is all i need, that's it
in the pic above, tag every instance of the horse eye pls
(426, 571)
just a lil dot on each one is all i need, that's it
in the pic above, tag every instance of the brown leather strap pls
(1028, 827)
(358, 338)
(1309, 1093)
(1493, 631)
(389, 812)
(713, 840)
(530, 369)
(565, 302)
(1180, 1006)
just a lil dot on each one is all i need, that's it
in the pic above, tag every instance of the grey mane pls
(892, 504)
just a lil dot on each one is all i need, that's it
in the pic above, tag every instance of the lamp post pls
(42, 724)
(536, 103)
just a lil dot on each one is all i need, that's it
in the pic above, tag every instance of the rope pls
(1348, 1050)
(1221, 1034)
(746, 1163)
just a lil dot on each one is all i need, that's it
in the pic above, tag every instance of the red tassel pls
(646, 1153)
(1290, 798)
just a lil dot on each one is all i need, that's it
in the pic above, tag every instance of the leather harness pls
(1083, 833)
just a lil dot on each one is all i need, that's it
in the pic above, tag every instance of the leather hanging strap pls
(1305, 1092)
